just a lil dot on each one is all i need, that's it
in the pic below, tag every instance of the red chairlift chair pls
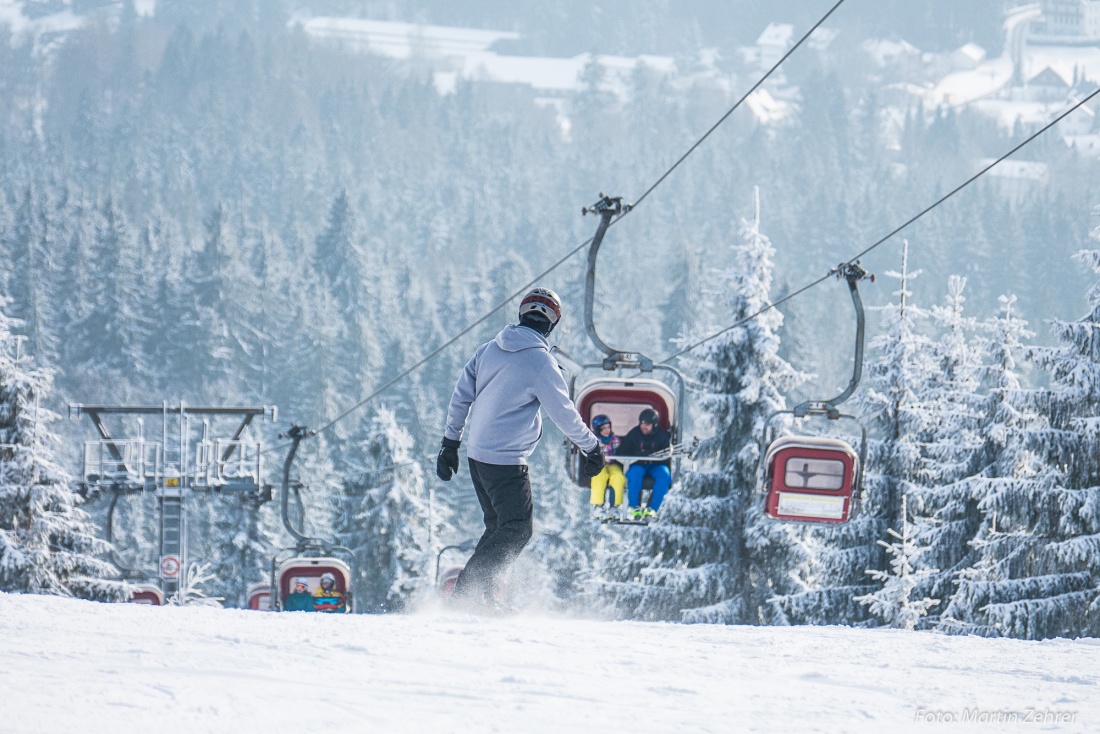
(810, 479)
(623, 401)
(312, 569)
(445, 582)
(816, 479)
(149, 594)
(312, 557)
(259, 597)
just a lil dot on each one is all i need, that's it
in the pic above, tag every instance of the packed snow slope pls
(79, 667)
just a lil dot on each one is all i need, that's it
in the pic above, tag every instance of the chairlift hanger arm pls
(608, 207)
(853, 273)
(296, 434)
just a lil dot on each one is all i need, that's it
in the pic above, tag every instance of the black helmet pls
(649, 415)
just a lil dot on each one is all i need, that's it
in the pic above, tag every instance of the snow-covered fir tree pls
(382, 517)
(1048, 520)
(894, 602)
(713, 557)
(47, 543)
(941, 496)
(1010, 474)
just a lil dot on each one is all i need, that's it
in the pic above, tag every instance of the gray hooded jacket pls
(501, 390)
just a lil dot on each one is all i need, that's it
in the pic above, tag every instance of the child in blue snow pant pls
(662, 480)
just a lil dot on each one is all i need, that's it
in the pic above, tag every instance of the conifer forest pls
(206, 205)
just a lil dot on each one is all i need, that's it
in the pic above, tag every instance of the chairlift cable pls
(887, 237)
(580, 247)
(739, 102)
(444, 346)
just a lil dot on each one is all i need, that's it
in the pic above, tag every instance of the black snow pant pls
(505, 495)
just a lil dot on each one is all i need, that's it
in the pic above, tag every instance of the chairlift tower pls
(187, 459)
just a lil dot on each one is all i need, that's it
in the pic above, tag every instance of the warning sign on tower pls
(169, 567)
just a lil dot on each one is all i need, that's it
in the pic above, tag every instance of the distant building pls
(773, 43)
(1047, 86)
(1070, 19)
(968, 57)
(899, 56)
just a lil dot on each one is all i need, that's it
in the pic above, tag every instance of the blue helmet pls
(600, 421)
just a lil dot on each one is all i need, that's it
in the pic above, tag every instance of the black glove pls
(446, 465)
(593, 461)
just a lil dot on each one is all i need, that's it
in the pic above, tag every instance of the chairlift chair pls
(312, 569)
(621, 398)
(149, 594)
(310, 558)
(259, 597)
(810, 479)
(816, 479)
(445, 582)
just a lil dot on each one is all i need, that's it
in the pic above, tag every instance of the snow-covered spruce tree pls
(1011, 475)
(713, 557)
(1049, 568)
(47, 543)
(900, 360)
(941, 496)
(107, 328)
(382, 517)
(338, 262)
(894, 602)
(238, 546)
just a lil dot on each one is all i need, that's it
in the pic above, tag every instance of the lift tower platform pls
(186, 459)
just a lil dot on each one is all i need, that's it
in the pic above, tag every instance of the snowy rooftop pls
(972, 51)
(1088, 145)
(1049, 77)
(767, 109)
(776, 34)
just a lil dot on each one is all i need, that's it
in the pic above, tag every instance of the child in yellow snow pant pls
(612, 474)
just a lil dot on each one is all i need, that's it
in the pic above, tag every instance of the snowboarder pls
(646, 439)
(501, 391)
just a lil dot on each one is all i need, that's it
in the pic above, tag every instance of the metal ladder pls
(172, 521)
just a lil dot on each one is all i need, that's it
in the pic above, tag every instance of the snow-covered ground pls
(70, 666)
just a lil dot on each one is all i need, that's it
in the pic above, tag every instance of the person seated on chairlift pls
(613, 471)
(299, 600)
(327, 598)
(646, 439)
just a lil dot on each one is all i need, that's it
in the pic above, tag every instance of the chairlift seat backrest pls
(259, 596)
(447, 583)
(150, 594)
(810, 479)
(623, 401)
